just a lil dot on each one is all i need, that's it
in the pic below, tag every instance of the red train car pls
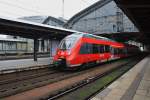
(82, 49)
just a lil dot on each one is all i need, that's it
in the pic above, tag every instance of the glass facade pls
(106, 19)
(12, 46)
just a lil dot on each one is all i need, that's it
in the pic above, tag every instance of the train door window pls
(95, 48)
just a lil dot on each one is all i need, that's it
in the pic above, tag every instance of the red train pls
(83, 49)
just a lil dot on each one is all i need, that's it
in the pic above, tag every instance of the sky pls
(20, 8)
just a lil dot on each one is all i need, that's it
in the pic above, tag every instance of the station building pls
(13, 46)
(101, 17)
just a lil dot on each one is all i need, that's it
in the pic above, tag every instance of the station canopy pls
(123, 36)
(138, 12)
(26, 29)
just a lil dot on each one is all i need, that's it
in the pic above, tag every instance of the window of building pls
(114, 28)
(1, 48)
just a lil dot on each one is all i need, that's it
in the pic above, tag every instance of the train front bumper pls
(60, 62)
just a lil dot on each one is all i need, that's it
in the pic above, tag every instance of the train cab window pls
(67, 43)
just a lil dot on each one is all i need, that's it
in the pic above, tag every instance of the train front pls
(64, 51)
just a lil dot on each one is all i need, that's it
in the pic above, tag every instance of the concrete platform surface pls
(23, 63)
(133, 85)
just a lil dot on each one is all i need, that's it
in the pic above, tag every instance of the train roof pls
(92, 36)
(96, 37)
(79, 35)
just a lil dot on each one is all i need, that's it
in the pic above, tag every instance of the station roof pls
(26, 29)
(11, 40)
(86, 11)
(125, 36)
(139, 13)
(43, 19)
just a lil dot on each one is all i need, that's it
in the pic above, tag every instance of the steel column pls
(35, 49)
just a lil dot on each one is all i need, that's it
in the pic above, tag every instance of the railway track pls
(13, 83)
(48, 76)
(85, 85)
(14, 56)
(19, 82)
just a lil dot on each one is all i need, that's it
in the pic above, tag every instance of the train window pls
(121, 51)
(107, 48)
(89, 48)
(115, 51)
(86, 48)
(95, 48)
(83, 49)
(101, 48)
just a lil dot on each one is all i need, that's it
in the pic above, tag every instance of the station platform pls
(6, 65)
(133, 85)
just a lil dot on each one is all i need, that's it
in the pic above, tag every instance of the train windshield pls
(67, 43)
